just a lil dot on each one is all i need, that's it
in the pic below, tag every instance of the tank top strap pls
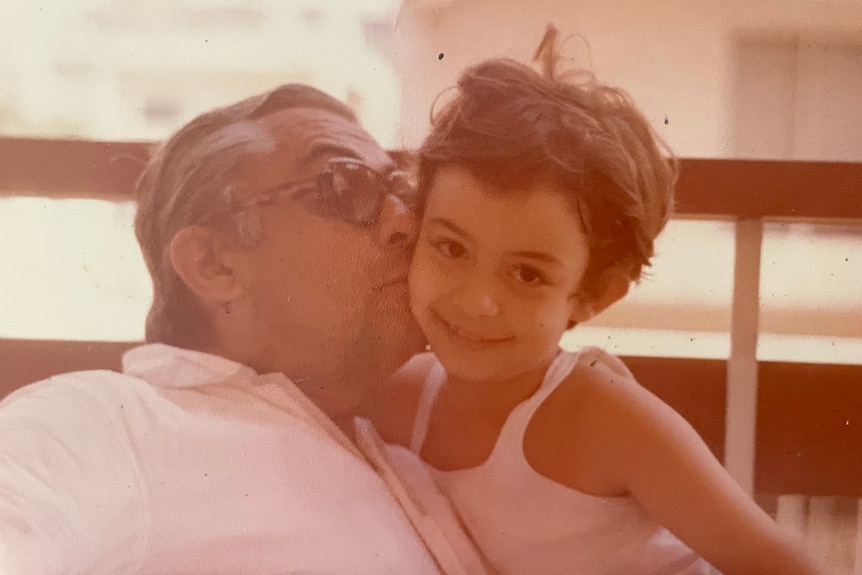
(557, 372)
(515, 426)
(434, 380)
(516, 423)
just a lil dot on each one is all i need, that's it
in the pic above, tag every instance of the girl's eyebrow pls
(539, 256)
(542, 257)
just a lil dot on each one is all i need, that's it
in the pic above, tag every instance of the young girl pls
(541, 198)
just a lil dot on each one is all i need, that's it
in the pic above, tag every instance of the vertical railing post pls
(741, 412)
(857, 565)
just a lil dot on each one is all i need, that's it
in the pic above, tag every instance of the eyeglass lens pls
(356, 192)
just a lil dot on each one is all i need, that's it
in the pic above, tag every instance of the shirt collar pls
(168, 366)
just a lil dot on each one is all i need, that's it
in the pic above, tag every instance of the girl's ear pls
(613, 285)
(198, 256)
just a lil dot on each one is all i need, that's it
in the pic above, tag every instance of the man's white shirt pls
(189, 463)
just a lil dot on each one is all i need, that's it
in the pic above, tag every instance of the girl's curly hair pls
(512, 126)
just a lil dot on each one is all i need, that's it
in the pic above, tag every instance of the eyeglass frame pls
(296, 190)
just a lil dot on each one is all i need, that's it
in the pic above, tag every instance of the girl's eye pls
(450, 248)
(528, 275)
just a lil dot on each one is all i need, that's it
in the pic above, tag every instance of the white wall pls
(94, 68)
(676, 57)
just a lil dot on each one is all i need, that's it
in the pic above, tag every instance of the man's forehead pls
(311, 133)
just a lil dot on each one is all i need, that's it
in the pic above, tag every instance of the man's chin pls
(401, 343)
(411, 342)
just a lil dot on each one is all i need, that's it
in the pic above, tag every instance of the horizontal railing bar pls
(800, 321)
(715, 188)
(70, 168)
(770, 189)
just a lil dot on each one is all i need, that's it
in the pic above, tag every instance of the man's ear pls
(198, 256)
(612, 286)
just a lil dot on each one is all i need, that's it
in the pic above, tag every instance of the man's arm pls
(71, 498)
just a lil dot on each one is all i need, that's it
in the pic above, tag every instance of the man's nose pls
(397, 226)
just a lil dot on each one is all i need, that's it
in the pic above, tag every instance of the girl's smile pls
(479, 339)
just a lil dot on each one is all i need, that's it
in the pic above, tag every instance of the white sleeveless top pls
(526, 523)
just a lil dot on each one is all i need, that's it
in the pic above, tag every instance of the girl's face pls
(495, 275)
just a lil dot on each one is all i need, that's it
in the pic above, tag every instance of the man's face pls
(328, 297)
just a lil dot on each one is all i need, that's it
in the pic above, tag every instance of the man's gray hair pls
(194, 175)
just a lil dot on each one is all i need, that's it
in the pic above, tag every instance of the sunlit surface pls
(811, 297)
(811, 293)
(71, 270)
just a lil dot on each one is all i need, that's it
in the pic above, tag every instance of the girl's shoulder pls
(578, 434)
(599, 366)
(600, 381)
(586, 376)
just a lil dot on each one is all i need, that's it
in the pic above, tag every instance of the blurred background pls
(762, 79)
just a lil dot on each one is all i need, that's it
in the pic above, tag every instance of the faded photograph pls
(431, 286)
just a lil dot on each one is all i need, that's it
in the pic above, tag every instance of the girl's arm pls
(653, 453)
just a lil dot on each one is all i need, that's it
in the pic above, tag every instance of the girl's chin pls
(471, 366)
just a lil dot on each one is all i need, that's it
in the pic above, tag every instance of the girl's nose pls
(477, 298)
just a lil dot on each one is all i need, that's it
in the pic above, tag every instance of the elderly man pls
(276, 232)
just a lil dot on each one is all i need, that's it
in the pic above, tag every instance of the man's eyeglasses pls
(346, 190)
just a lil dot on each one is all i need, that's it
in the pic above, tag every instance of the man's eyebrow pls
(325, 149)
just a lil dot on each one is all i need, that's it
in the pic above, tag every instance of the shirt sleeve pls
(71, 497)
